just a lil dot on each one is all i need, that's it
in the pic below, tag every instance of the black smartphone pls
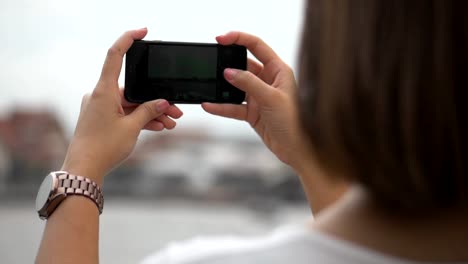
(182, 72)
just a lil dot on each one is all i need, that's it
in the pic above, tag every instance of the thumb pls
(249, 83)
(148, 111)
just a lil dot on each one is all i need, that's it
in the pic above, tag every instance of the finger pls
(163, 119)
(255, 45)
(254, 67)
(113, 63)
(154, 126)
(238, 112)
(129, 110)
(251, 84)
(148, 111)
(173, 111)
(166, 121)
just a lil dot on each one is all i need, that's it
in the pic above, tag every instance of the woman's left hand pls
(108, 126)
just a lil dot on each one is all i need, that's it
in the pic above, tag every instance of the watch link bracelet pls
(58, 185)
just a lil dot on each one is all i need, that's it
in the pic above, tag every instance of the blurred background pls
(208, 177)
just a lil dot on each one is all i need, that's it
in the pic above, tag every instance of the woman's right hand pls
(270, 88)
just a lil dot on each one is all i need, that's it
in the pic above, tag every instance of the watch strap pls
(79, 185)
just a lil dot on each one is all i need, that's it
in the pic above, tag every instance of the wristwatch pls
(58, 185)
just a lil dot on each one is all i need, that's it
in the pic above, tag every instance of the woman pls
(377, 132)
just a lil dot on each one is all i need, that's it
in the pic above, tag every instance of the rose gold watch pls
(58, 185)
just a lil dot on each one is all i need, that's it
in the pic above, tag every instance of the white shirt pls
(292, 244)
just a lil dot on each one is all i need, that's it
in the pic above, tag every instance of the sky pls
(52, 50)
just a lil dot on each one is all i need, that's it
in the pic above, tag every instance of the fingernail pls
(162, 105)
(230, 74)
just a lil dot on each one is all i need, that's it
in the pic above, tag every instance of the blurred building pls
(5, 164)
(188, 164)
(32, 143)
(196, 165)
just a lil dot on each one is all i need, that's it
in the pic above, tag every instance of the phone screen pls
(191, 71)
(179, 63)
(182, 72)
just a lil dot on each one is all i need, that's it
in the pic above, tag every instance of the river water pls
(131, 229)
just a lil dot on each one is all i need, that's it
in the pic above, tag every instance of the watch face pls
(44, 192)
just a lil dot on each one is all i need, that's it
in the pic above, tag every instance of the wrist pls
(85, 170)
(81, 161)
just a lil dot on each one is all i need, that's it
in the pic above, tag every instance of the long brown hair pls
(382, 96)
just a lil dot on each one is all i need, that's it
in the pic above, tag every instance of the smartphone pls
(182, 72)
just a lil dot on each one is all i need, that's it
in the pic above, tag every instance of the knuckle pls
(96, 93)
(112, 51)
(85, 99)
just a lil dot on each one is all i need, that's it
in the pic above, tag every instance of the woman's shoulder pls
(297, 243)
(209, 248)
